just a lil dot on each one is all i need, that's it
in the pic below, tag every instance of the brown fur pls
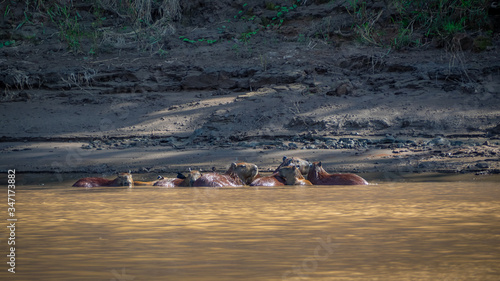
(180, 181)
(148, 183)
(293, 176)
(238, 174)
(272, 180)
(123, 179)
(300, 163)
(318, 176)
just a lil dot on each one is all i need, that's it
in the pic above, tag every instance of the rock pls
(481, 43)
(438, 141)
(388, 139)
(494, 131)
(482, 165)
(462, 41)
(200, 80)
(341, 89)
(252, 144)
(456, 143)
(21, 97)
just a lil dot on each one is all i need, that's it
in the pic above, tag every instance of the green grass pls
(148, 19)
(434, 19)
(7, 43)
(148, 22)
(67, 19)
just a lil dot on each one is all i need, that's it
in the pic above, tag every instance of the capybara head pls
(301, 164)
(316, 168)
(290, 173)
(125, 179)
(193, 176)
(245, 171)
(190, 178)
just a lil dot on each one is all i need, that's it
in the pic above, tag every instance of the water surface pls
(390, 231)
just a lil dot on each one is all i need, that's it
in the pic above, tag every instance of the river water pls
(409, 230)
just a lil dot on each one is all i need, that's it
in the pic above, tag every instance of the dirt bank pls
(354, 107)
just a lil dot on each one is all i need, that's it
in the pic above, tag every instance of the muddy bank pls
(158, 156)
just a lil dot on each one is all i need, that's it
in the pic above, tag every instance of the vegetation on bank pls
(94, 23)
(86, 26)
(419, 21)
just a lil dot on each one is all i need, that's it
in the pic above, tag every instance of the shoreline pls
(441, 155)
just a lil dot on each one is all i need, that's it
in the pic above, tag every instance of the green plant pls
(364, 22)
(439, 19)
(404, 38)
(245, 14)
(442, 19)
(148, 21)
(242, 11)
(26, 20)
(67, 21)
(301, 38)
(246, 36)
(162, 53)
(236, 49)
(7, 43)
(6, 13)
(282, 11)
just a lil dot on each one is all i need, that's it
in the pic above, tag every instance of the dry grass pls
(144, 11)
(151, 21)
(147, 21)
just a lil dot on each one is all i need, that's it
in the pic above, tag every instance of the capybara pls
(238, 174)
(180, 181)
(123, 179)
(318, 176)
(147, 183)
(300, 163)
(273, 180)
(293, 176)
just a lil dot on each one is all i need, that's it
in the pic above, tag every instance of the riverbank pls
(158, 156)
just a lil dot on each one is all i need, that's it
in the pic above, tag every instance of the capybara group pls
(238, 174)
(292, 171)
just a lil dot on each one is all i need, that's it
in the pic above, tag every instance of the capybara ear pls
(160, 177)
(213, 169)
(181, 176)
(284, 158)
(319, 164)
(233, 165)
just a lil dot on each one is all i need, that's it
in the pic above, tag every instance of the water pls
(390, 231)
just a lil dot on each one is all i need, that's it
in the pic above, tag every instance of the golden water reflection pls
(390, 231)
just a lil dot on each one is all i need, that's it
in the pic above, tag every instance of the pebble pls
(482, 165)
(306, 141)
